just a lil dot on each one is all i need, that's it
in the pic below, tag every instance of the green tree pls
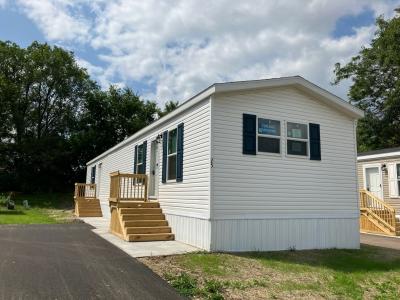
(54, 118)
(41, 91)
(375, 75)
(107, 118)
(168, 107)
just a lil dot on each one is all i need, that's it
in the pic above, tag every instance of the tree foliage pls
(375, 75)
(54, 118)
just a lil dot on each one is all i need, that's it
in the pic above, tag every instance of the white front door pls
(154, 174)
(373, 182)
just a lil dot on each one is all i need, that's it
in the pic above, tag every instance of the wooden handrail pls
(85, 190)
(377, 207)
(127, 186)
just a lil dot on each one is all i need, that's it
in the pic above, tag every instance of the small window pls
(297, 139)
(269, 132)
(93, 175)
(140, 160)
(171, 154)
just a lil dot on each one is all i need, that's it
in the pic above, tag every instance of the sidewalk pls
(138, 249)
(391, 242)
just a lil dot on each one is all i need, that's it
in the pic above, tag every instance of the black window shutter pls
(315, 142)
(135, 161)
(179, 154)
(164, 157)
(144, 156)
(249, 134)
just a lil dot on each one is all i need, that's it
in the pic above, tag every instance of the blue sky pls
(172, 49)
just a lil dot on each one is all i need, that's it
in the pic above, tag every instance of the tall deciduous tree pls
(108, 117)
(54, 118)
(375, 73)
(41, 90)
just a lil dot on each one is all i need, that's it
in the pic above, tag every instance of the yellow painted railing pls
(377, 208)
(126, 187)
(85, 191)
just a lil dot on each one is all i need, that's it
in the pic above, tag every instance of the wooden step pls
(145, 223)
(89, 213)
(139, 211)
(150, 237)
(89, 204)
(138, 204)
(132, 217)
(88, 208)
(98, 214)
(158, 229)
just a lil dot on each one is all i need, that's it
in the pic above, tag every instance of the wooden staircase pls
(137, 221)
(133, 217)
(86, 203)
(376, 216)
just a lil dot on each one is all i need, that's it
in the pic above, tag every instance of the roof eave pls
(298, 81)
(184, 106)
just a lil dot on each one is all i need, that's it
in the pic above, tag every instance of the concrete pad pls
(391, 242)
(138, 249)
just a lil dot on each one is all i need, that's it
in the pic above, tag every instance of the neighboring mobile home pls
(250, 165)
(379, 175)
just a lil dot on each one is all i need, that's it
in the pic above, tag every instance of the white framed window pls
(394, 179)
(297, 139)
(171, 154)
(140, 160)
(268, 136)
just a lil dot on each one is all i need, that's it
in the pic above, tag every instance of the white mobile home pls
(251, 165)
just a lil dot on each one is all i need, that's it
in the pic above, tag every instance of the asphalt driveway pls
(69, 261)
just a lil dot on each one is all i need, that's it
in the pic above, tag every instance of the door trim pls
(376, 165)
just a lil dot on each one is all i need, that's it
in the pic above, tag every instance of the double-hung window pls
(269, 136)
(171, 155)
(297, 139)
(140, 165)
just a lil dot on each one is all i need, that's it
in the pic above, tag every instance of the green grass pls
(44, 209)
(368, 273)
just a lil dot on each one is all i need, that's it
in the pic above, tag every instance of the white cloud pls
(181, 47)
(57, 19)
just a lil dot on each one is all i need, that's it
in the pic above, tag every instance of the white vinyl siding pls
(260, 186)
(285, 234)
(189, 198)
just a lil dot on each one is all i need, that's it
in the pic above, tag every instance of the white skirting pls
(284, 234)
(190, 230)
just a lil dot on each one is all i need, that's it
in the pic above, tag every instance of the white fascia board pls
(381, 155)
(331, 99)
(305, 85)
(184, 106)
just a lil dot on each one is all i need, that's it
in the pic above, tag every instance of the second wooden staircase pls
(376, 216)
